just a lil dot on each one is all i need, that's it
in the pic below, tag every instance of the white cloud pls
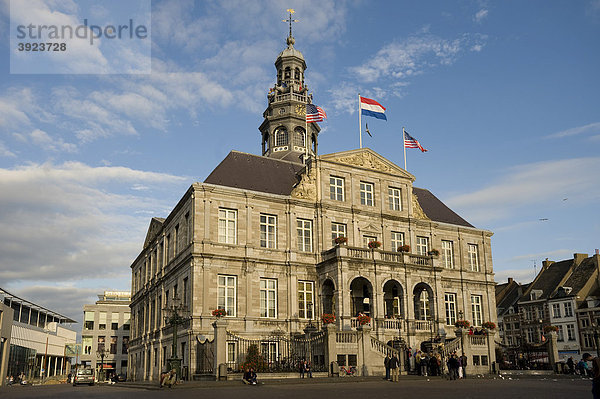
(481, 15)
(43, 140)
(68, 222)
(585, 129)
(532, 184)
(5, 152)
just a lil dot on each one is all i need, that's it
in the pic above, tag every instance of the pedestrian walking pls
(386, 363)
(394, 367)
(463, 363)
(424, 364)
(595, 374)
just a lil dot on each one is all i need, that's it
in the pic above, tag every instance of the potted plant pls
(374, 244)
(341, 240)
(404, 248)
(328, 318)
(462, 324)
(218, 313)
(490, 325)
(363, 319)
(548, 329)
(433, 252)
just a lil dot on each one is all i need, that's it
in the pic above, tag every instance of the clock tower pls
(284, 131)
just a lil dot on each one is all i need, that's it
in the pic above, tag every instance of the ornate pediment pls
(307, 186)
(418, 212)
(370, 228)
(367, 159)
(153, 230)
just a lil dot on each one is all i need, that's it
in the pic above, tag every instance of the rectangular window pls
(556, 310)
(125, 346)
(571, 332)
(102, 321)
(268, 297)
(269, 351)
(86, 344)
(585, 323)
(101, 341)
(336, 188)
(450, 300)
(568, 309)
(422, 245)
(530, 335)
(268, 231)
(227, 226)
(561, 334)
(155, 357)
(338, 230)
(227, 294)
(304, 235)
(231, 352)
(127, 320)
(113, 345)
(88, 320)
(114, 317)
(448, 254)
(366, 194)
(397, 240)
(476, 310)
(185, 291)
(394, 199)
(588, 340)
(473, 258)
(305, 299)
(367, 240)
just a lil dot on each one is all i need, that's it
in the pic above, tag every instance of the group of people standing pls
(392, 367)
(428, 364)
(457, 366)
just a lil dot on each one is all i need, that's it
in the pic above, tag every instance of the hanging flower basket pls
(433, 252)
(363, 319)
(462, 324)
(328, 318)
(548, 329)
(218, 313)
(404, 248)
(490, 325)
(341, 240)
(374, 244)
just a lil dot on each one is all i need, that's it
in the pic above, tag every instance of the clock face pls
(300, 109)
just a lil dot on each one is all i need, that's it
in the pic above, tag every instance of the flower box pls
(219, 313)
(404, 248)
(363, 319)
(462, 324)
(374, 244)
(433, 252)
(328, 318)
(340, 240)
(490, 325)
(548, 329)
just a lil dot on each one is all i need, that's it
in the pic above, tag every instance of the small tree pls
(254, 360)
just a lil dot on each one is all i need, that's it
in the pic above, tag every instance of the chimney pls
(597, 251)
(546, 263)
(510, 280)
(578, 258)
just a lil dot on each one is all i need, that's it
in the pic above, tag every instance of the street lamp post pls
(175, 315)
(101, 353)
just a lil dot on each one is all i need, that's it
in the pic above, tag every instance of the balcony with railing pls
(377, 255)
(391, 324)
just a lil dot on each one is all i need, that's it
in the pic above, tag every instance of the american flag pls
(411, 142)
(314, 113)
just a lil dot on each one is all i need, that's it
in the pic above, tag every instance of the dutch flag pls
(369, 107)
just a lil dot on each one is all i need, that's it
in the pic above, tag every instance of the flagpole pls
(305, 136)
(404, 145)
(359, 123)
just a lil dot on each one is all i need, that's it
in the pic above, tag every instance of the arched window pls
(299, 137)
(281, 137)
(297, 74)
(266, 141)
(288, 73)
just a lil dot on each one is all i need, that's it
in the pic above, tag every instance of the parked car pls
(83, 376)
(122, 377)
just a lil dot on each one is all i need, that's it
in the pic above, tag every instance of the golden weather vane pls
(290, 20)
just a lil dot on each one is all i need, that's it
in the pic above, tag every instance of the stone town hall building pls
(256, 238)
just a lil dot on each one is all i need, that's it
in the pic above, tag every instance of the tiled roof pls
(256, 173)
(511, 297)
(581, 275)
(436, 210)
(274, 176)
(549, 278)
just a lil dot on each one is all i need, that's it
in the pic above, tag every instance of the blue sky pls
(505, 95)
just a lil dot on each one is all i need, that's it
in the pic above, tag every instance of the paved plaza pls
(530, 388)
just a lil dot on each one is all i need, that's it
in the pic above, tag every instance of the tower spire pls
(290, 39)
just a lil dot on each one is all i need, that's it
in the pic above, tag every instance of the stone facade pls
(106, 325)
(257, 239)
